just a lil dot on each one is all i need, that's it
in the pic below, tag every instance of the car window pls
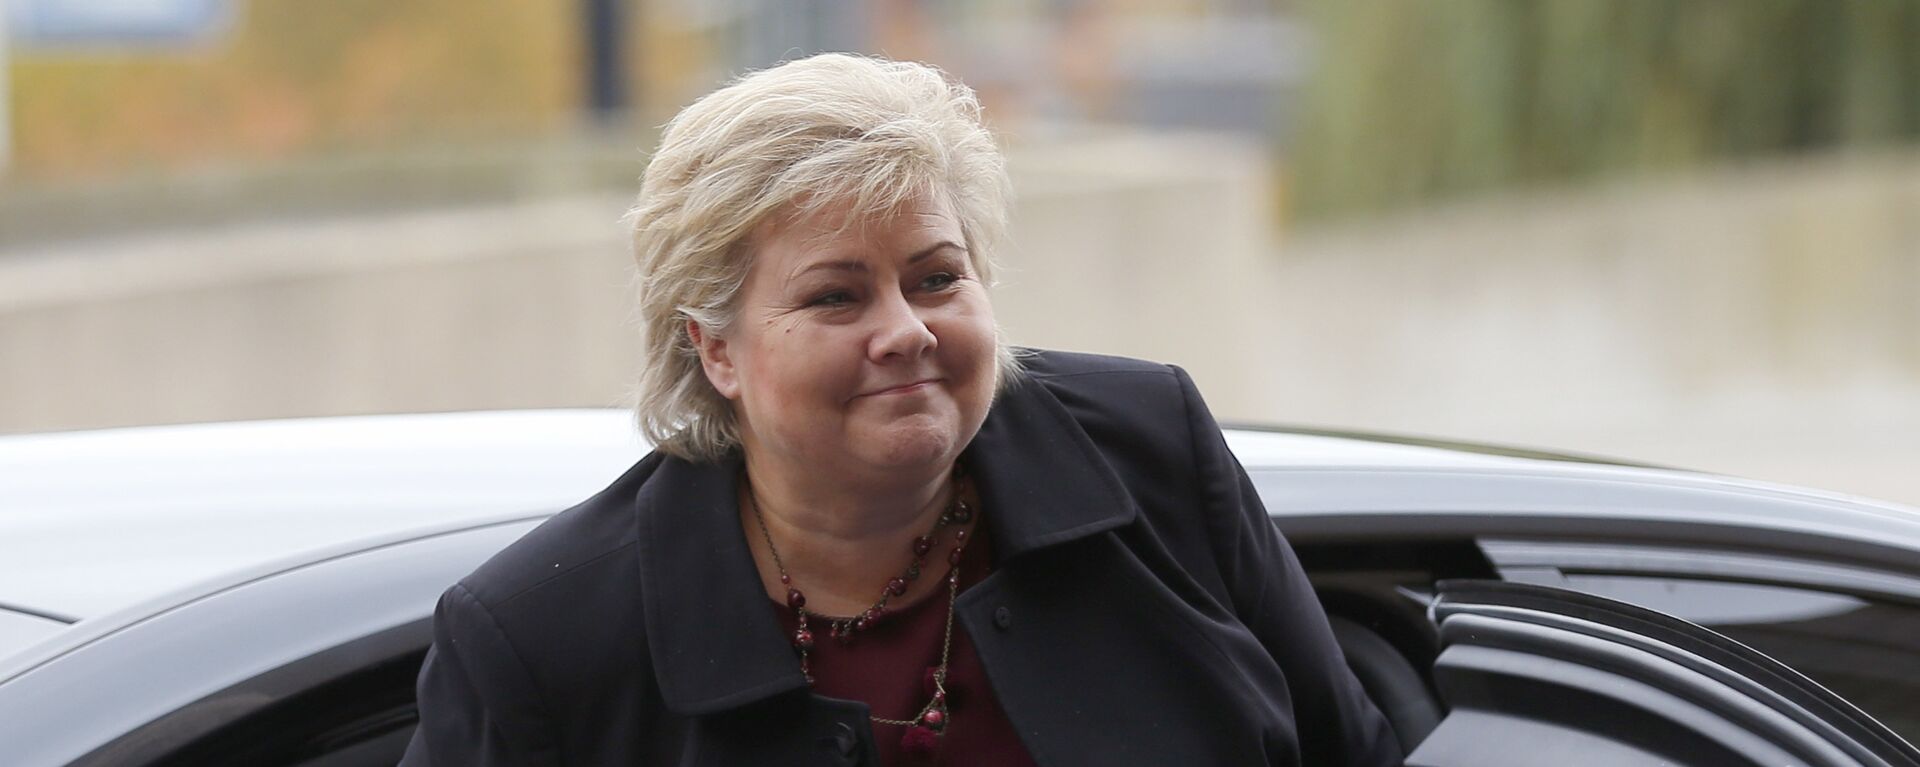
(362, 718)
(1865, 650)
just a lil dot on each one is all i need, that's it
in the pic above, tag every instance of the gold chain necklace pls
(924, 728)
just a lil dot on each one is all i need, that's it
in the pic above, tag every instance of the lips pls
(906, 388)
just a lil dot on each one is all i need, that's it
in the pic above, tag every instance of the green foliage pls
(295, 76)
(1416, 100)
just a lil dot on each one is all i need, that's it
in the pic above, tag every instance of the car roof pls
(92, 522)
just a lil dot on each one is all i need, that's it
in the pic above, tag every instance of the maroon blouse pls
(888, 667)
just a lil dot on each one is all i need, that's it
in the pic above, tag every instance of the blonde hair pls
(795, 138)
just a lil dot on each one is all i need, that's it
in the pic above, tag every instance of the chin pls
(918, 442)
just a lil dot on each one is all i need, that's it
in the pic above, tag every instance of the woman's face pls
(863, 350)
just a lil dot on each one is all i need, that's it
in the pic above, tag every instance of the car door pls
(1852, 626)
(304, 663)
(1536, 675)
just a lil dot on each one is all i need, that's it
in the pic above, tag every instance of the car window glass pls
(1865, 650)
(362, 718)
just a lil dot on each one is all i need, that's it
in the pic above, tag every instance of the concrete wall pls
(1762, 321)
(485, 307)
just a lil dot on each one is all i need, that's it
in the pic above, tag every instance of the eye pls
(938, 281)
(832, 298)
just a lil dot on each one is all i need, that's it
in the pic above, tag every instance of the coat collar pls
(715, 641)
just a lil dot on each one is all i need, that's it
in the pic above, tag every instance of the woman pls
(868, 535)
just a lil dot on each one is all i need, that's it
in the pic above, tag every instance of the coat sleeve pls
(1336, 721)
(478, 706)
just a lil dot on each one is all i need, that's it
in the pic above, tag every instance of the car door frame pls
(1530, 670)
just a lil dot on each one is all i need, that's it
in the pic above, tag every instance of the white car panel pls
(94, 521)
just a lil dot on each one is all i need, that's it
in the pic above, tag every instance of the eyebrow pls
(849, 265)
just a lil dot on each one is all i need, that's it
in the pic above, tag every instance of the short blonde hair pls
(797, 138)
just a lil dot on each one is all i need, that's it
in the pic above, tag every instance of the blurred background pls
(1682, 232)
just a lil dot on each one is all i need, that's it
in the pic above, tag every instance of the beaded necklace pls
(924, 729)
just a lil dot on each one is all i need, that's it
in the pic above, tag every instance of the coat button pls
(1003, 617)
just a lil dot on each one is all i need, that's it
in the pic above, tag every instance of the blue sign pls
(113, 23)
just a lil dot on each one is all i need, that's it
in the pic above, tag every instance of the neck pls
(840, 542)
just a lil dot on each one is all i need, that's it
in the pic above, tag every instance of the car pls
(262, 593)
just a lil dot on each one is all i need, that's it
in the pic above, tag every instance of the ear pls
(715, 361)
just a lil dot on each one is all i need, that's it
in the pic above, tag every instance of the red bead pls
(960, 536)
(918, 741)
(939, 697)
(786, 580)
(803, 639)
(795, 599)
(897, 586)
(953, 557)
(922, 545)
(935, 718)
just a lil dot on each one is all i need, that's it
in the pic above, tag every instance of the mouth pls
(909, 388)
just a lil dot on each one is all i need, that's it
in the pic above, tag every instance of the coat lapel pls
(1040, 478)
(714, 639)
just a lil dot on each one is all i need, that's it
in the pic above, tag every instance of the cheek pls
(800, 367)
(967, 339)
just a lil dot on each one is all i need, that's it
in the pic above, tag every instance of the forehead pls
(842, 229)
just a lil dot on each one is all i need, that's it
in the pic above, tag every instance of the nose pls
(899, 330)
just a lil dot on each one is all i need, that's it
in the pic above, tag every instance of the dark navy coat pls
(1142, 611)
